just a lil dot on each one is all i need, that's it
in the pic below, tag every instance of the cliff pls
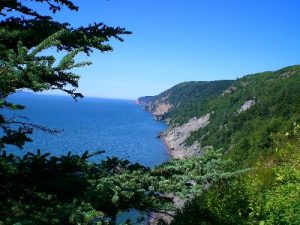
(175, 138)
(225, 114)
(178, 99)
(253, 122)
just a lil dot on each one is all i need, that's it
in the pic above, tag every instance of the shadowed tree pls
(24, 35)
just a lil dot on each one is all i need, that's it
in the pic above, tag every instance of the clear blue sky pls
(183, 40)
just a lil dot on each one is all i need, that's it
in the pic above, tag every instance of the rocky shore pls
(175, 138)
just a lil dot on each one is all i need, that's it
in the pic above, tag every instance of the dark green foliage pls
(24, 37)
(276, 97)
(246, 134)
(223, 203)
(188, 99)
(267, 194)
(42, 189)
(39, 189)
(34, 27)
(260, 137)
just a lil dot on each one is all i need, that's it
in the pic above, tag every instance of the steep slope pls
(255, 122)
(179, 107)
(177, 101)
(243, 113)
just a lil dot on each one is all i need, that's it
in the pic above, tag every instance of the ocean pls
(119, 127)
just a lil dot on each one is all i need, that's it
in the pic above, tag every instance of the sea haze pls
(119, 127)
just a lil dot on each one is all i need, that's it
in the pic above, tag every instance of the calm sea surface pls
(119, 127)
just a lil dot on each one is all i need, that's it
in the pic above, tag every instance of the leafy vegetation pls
(25, 34)
(39, 188)
(43, 189)
(276, 96)
(268, 194)
(251, 175)
(188, 99)
(263, 136)
(247, 134)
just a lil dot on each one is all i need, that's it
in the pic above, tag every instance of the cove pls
(119, 127)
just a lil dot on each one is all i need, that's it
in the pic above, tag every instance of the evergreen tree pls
(24, 35)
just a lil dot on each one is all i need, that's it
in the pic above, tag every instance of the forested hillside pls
(246, 133)
(186, 99)
(255, 122)
(273, 99)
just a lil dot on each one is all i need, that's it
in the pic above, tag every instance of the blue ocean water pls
(119, 127)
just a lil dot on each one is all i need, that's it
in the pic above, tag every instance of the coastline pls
(174, 153)
(175, 137)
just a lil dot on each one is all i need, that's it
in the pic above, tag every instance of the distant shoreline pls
(173, 153)
(174, 137)
(25, 93)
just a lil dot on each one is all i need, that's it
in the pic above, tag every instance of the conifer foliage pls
(25, 34)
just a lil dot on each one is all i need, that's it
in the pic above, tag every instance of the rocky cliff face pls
(175, 138)
(158, 106)
(144, 100)
(238, 117)
(247, 105)
(179, 106)
(160, 109)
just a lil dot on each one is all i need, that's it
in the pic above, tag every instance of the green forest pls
(248, 174)
(264, 139)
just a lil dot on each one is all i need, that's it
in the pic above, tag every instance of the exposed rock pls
(144, 100)
(175, 138)
(245, 83)
(247, 105)
(165, 98)
(158, 107)
(191, 183)
(230, 90)
(161, 108)
(155, 218)
(287, 74)
(167, 216)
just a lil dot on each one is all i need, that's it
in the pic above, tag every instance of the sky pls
(185, 40)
